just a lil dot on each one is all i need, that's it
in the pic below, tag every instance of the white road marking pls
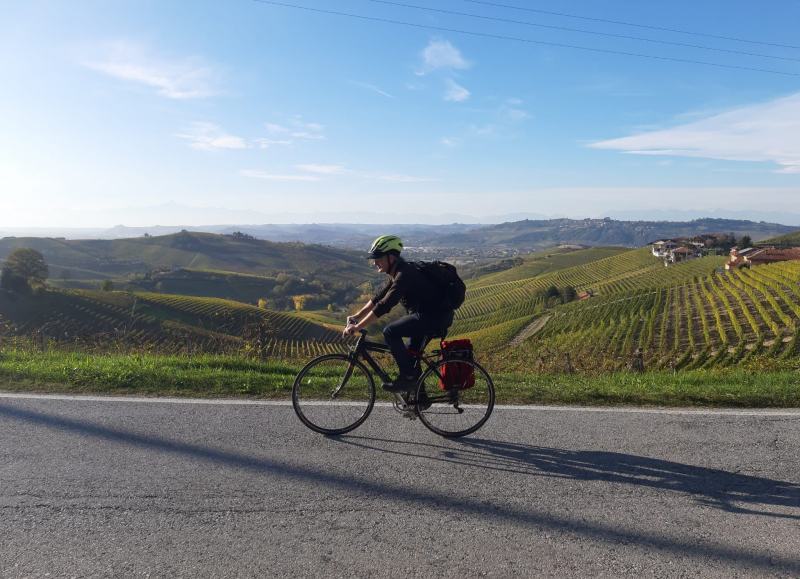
(234, 402)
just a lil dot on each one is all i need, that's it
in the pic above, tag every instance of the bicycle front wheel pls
(459, 407)
(332, 394)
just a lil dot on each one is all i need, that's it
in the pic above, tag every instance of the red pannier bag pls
(454, 373)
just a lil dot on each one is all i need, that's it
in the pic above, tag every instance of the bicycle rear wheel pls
(333, 395)
(459, 409)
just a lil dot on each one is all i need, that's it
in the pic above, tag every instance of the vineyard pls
(549, 263)
(490, 304)
(722, 320)
(111, 321)
(688, 316)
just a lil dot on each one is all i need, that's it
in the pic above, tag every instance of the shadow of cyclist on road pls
(732, 492)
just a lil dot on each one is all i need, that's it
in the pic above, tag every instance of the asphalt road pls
(110, 488)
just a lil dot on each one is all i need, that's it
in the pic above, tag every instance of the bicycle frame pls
(362, 349)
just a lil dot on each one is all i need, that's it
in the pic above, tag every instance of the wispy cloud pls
(209, 137)
(307, 136)
(455, 92)
(186, 78)
(274, 177)
(447, 142)
(762, 132)
(298, 130)
(517, 114)
(441, 54)
(275, 129)
(323, 169)
(265, 143)
(373, 88)
(484, 131)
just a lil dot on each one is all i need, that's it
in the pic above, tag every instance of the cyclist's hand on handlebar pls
(349, 330)
(352, 320)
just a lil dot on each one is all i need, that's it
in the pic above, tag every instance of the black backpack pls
(446, 278)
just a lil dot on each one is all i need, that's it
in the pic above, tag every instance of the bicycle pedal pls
(400, 402)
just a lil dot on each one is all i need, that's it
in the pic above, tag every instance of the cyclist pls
(425, 304)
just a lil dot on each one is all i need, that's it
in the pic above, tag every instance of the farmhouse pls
(771, 255)
(662, 247)
(738, 257)
(681, 254)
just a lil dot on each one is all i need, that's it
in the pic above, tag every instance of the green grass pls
(204, 376)
(221, 376)
(737, 389)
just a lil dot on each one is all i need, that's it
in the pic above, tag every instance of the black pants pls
(414, 327)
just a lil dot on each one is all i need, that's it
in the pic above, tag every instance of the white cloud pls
(324, 169)
(518, 114)
(208, 137)
(374, 88)
(298, 130)
(484, 131)
(455, 92)
(308, 136)
(440, 54)
(274, 129)
(297, 122)
(273, 177)
(264, 143)
(762, 132)
(448, 142)
(182, 79)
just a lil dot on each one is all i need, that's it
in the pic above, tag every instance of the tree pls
(300, 302)
(12, 282)
(568, 294)
(28, 264)
(552, 292)
(107, 285)
(65, 275)
(745, 242)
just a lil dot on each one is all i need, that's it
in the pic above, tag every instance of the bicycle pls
(335, 393)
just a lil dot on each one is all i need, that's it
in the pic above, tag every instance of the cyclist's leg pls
(415, 327)
(411, 327)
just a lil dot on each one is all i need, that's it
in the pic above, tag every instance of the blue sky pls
(148, 113)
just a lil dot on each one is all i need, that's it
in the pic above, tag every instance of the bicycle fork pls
(345, 378)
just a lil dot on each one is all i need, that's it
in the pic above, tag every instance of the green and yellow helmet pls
(384, 245)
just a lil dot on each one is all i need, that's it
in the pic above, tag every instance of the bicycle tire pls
(314, 407)
(479, 398)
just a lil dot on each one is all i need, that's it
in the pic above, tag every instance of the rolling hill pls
(144, 322)
(198, 251)
(711, 321)
(787, 240)
(529, 234)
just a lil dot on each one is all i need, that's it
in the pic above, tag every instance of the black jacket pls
(410, 287)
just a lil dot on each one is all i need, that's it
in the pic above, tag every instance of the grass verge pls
(222, 376)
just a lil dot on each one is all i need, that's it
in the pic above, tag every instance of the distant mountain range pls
(530, 235)
(524, 235)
